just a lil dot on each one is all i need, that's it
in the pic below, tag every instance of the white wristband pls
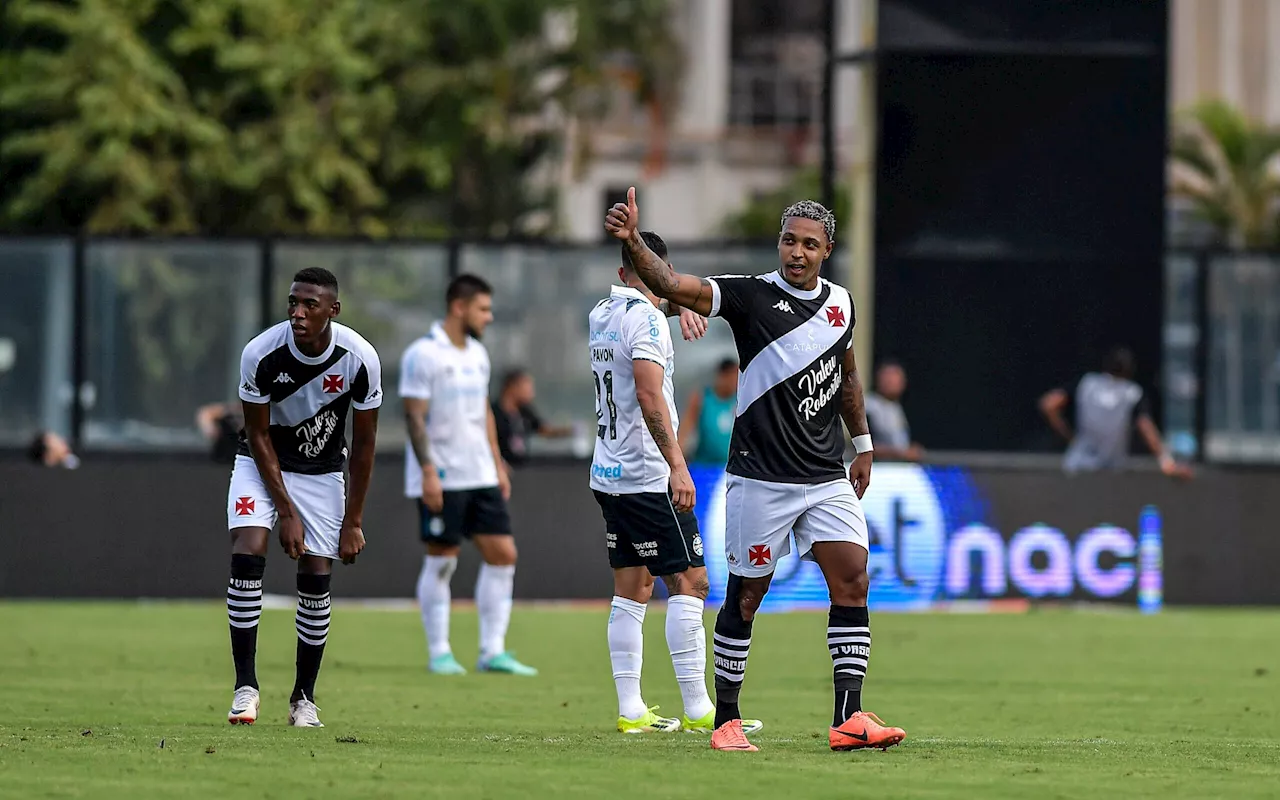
(862, 444)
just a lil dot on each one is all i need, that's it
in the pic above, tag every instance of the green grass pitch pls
(129, 700)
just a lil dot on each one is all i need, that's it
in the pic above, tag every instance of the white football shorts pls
(321, 501)
(761, 515)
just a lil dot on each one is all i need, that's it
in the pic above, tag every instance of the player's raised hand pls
(622, 219)
(692, 325)
(293, 537)
(860, 473)
(350, 541)
(683, 495)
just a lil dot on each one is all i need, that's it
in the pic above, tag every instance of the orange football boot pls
(729, 736)
(863, 730)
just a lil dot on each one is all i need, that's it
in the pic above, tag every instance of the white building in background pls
(749, 115)
(1228, 49)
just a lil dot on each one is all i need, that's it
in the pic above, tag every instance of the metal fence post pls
(1203, 263)
(453, 258)
(79, 338)
(266, 282)
(829, 107)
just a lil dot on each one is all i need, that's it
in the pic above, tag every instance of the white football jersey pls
(624, 328)
(455, 382)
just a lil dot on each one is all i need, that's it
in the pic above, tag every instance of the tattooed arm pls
(653, 407)
(685, 290)
(853, 411)
(853, 408)
(415, 418)
(622, 223)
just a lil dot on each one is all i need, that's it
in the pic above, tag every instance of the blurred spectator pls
(221, 423)
(890, 433)
(707, 426)
(1107, 405)
(51, 450)
(517, 420)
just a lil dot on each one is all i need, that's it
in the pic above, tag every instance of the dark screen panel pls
(965, 24)
(1020, 156)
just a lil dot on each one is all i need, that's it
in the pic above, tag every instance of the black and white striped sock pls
(730, 645)
(244, 608)
(312, 623)
(849, 642)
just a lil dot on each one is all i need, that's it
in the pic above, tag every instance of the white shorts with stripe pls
(321, 502)
(761, 515)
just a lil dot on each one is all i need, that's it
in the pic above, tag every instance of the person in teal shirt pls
(707, 422)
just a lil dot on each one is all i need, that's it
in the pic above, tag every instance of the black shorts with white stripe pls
(645, 530)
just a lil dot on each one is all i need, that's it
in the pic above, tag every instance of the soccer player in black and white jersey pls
(794, 334)
(297, 381)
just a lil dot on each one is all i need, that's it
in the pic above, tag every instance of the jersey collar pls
(627, 291)
(440, 335)
(777, 280)
(323, 357)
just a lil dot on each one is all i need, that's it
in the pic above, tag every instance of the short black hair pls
(512, 375)
(1119, 361)
(317, 276)
(465, 287)
(808, 209)
(37, 448)
(654, 243)
(727, 364)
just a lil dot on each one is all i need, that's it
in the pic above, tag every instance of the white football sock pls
(687, 641)
(494, 588)
(434, 597)
(626, 653)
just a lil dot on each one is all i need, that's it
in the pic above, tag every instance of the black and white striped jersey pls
(791, 346)
(309, 397)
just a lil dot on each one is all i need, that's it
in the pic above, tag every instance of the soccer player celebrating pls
(645, 492)
(454, 473)
(794, 334)
(297, 381)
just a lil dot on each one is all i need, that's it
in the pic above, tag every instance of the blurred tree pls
(408, 117)
(298, 87)
(99, 123)
(1225, 163)
(760, 217)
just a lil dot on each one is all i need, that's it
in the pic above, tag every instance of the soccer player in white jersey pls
(646, 495)
(297, 381)
(794, 334)
(454, 473)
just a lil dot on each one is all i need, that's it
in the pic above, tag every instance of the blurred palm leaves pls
(1225, 165)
